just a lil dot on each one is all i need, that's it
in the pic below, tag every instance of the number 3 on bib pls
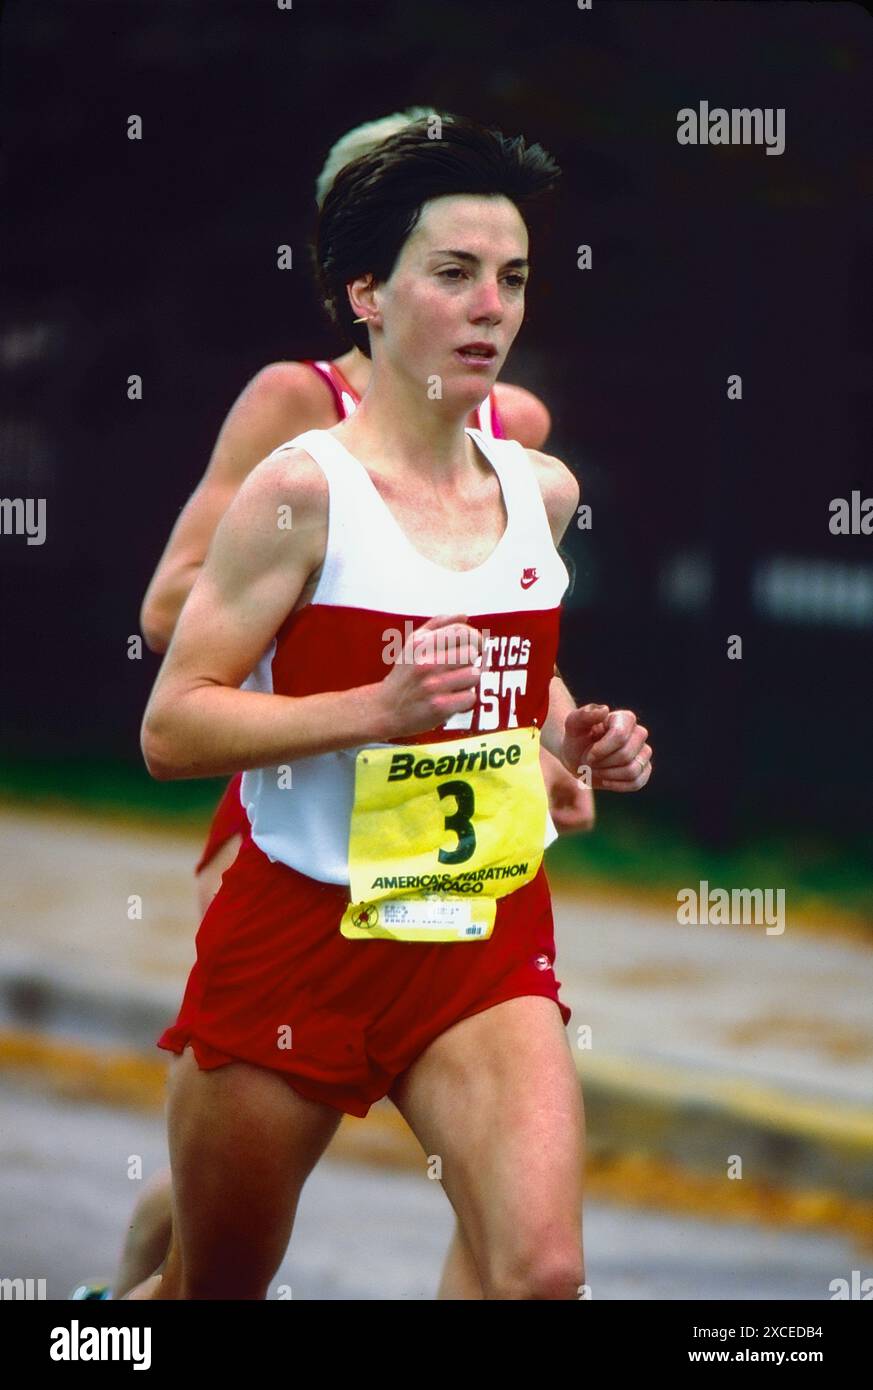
(461, 822)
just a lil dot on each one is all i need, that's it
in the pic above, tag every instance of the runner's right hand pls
(436, 676)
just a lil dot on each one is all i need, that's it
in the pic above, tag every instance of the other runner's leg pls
(460, 1277)
(148, 1235)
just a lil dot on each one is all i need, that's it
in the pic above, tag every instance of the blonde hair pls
(364, 138)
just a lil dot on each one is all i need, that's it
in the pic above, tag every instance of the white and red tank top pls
(373, 580)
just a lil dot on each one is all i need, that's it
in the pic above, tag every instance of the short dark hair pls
(376, 200)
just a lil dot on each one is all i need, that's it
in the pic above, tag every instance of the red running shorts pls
(272, 967)
(230, 819)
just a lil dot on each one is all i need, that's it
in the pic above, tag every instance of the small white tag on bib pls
(430, 918)
(431, 914)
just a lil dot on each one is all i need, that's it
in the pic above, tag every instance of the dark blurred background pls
(710, 516)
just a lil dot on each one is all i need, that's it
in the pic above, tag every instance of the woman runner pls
(308, 1000)
(283, 399)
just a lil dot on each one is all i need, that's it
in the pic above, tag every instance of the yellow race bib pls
(440, 831)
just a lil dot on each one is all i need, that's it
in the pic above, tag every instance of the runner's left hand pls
(611, 743)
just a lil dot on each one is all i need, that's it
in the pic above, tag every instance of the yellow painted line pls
(820, 1120)
(93, 1074)
(641, 1180)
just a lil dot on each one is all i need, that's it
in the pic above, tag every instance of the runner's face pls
(459, 279)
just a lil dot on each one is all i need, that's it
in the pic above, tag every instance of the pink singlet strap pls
(496, 423)
(488, 417)
(345, 397)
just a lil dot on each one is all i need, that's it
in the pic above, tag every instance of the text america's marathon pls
(470, 881)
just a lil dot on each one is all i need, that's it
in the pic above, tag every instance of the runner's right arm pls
(276, 405)
(199, 723)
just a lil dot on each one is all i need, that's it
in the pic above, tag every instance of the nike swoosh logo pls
(526, 583)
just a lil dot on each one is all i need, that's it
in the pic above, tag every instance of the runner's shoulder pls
(284, 390)
(524, 416)
(279, 402)
(290, 477)
(277, 519)
(559, 487)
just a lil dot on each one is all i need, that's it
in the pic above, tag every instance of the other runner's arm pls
(272, 408)
(523, 415)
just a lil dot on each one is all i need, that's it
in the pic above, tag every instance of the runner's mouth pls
(477, 354)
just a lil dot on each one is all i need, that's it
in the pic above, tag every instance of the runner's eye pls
(514, 280)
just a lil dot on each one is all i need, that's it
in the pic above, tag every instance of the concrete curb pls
(704, 1123)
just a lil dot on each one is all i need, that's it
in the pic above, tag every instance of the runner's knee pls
(541, 1270)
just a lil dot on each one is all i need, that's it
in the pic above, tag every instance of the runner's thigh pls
(498, 1099)
(242, 1144)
